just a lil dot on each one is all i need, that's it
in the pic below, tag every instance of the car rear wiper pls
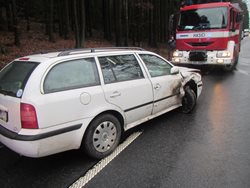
(5, 92)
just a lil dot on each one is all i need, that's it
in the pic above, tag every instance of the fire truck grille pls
(200, 43)
(197, 56)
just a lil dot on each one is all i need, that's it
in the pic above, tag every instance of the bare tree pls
(51, 20)
(118, 22)
(79, 22)
(15, 23)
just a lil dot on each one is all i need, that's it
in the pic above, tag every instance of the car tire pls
(102, 136)
(188, 100)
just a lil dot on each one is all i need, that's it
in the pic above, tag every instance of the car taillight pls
(28, 116)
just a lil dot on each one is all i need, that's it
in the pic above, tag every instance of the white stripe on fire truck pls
(218, 34)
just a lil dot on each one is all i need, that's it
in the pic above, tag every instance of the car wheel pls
(188, 100)
(102, 136)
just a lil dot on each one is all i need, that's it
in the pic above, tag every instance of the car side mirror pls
(174, 70)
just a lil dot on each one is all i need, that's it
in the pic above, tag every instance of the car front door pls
(166, 86)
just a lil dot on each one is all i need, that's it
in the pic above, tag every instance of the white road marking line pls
(101, 164)
(243, 72)
(244, 63)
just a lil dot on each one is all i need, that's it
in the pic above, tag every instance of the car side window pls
(72, 75)
(156, 66)
(120, 68)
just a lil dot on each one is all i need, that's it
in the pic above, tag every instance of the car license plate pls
(3, 115)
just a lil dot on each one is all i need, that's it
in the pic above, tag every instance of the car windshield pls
(201, 19)
(14, 77)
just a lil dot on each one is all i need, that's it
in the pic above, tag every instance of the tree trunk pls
(51, 20)
(27, 14)
(15, 24)
(90, 14)
(67, 23)
(46, 16)
(133, 22)
(61, 17)
(77, 38)
(155, 30)
(107, 20)
(2, 18)
(139, 23)
(118, 23)
(126, 25)
(151, 25)
(82, 23)
(9, 16)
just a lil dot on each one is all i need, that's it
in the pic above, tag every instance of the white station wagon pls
(86, 98)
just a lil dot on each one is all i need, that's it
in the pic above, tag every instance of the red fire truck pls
(208, 34)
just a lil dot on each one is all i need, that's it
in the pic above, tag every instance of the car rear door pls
(71, 92)
(126, 86)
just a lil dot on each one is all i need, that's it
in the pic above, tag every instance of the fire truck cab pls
(208, 34)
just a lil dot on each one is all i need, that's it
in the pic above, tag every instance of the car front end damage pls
(192, 78)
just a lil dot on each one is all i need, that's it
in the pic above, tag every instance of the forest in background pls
(113, 20)
(29, 26)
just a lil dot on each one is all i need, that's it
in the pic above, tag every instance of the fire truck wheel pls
(188, 100)
(231, 67)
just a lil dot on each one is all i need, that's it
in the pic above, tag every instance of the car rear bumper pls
(44, 144)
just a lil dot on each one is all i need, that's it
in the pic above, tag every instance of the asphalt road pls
(208, 148)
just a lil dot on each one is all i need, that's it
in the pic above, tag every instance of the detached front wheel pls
(188, 100)
(102, 136)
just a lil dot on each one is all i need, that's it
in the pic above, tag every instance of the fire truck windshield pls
(203, 19)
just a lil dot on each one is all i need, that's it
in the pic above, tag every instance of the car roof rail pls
(91, 50)
(47, 51)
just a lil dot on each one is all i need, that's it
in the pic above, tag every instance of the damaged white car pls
(86, 98)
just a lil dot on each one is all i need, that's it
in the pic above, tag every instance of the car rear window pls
(13, 77)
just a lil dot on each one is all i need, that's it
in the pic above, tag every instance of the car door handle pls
(115, 94)
(157, 86)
